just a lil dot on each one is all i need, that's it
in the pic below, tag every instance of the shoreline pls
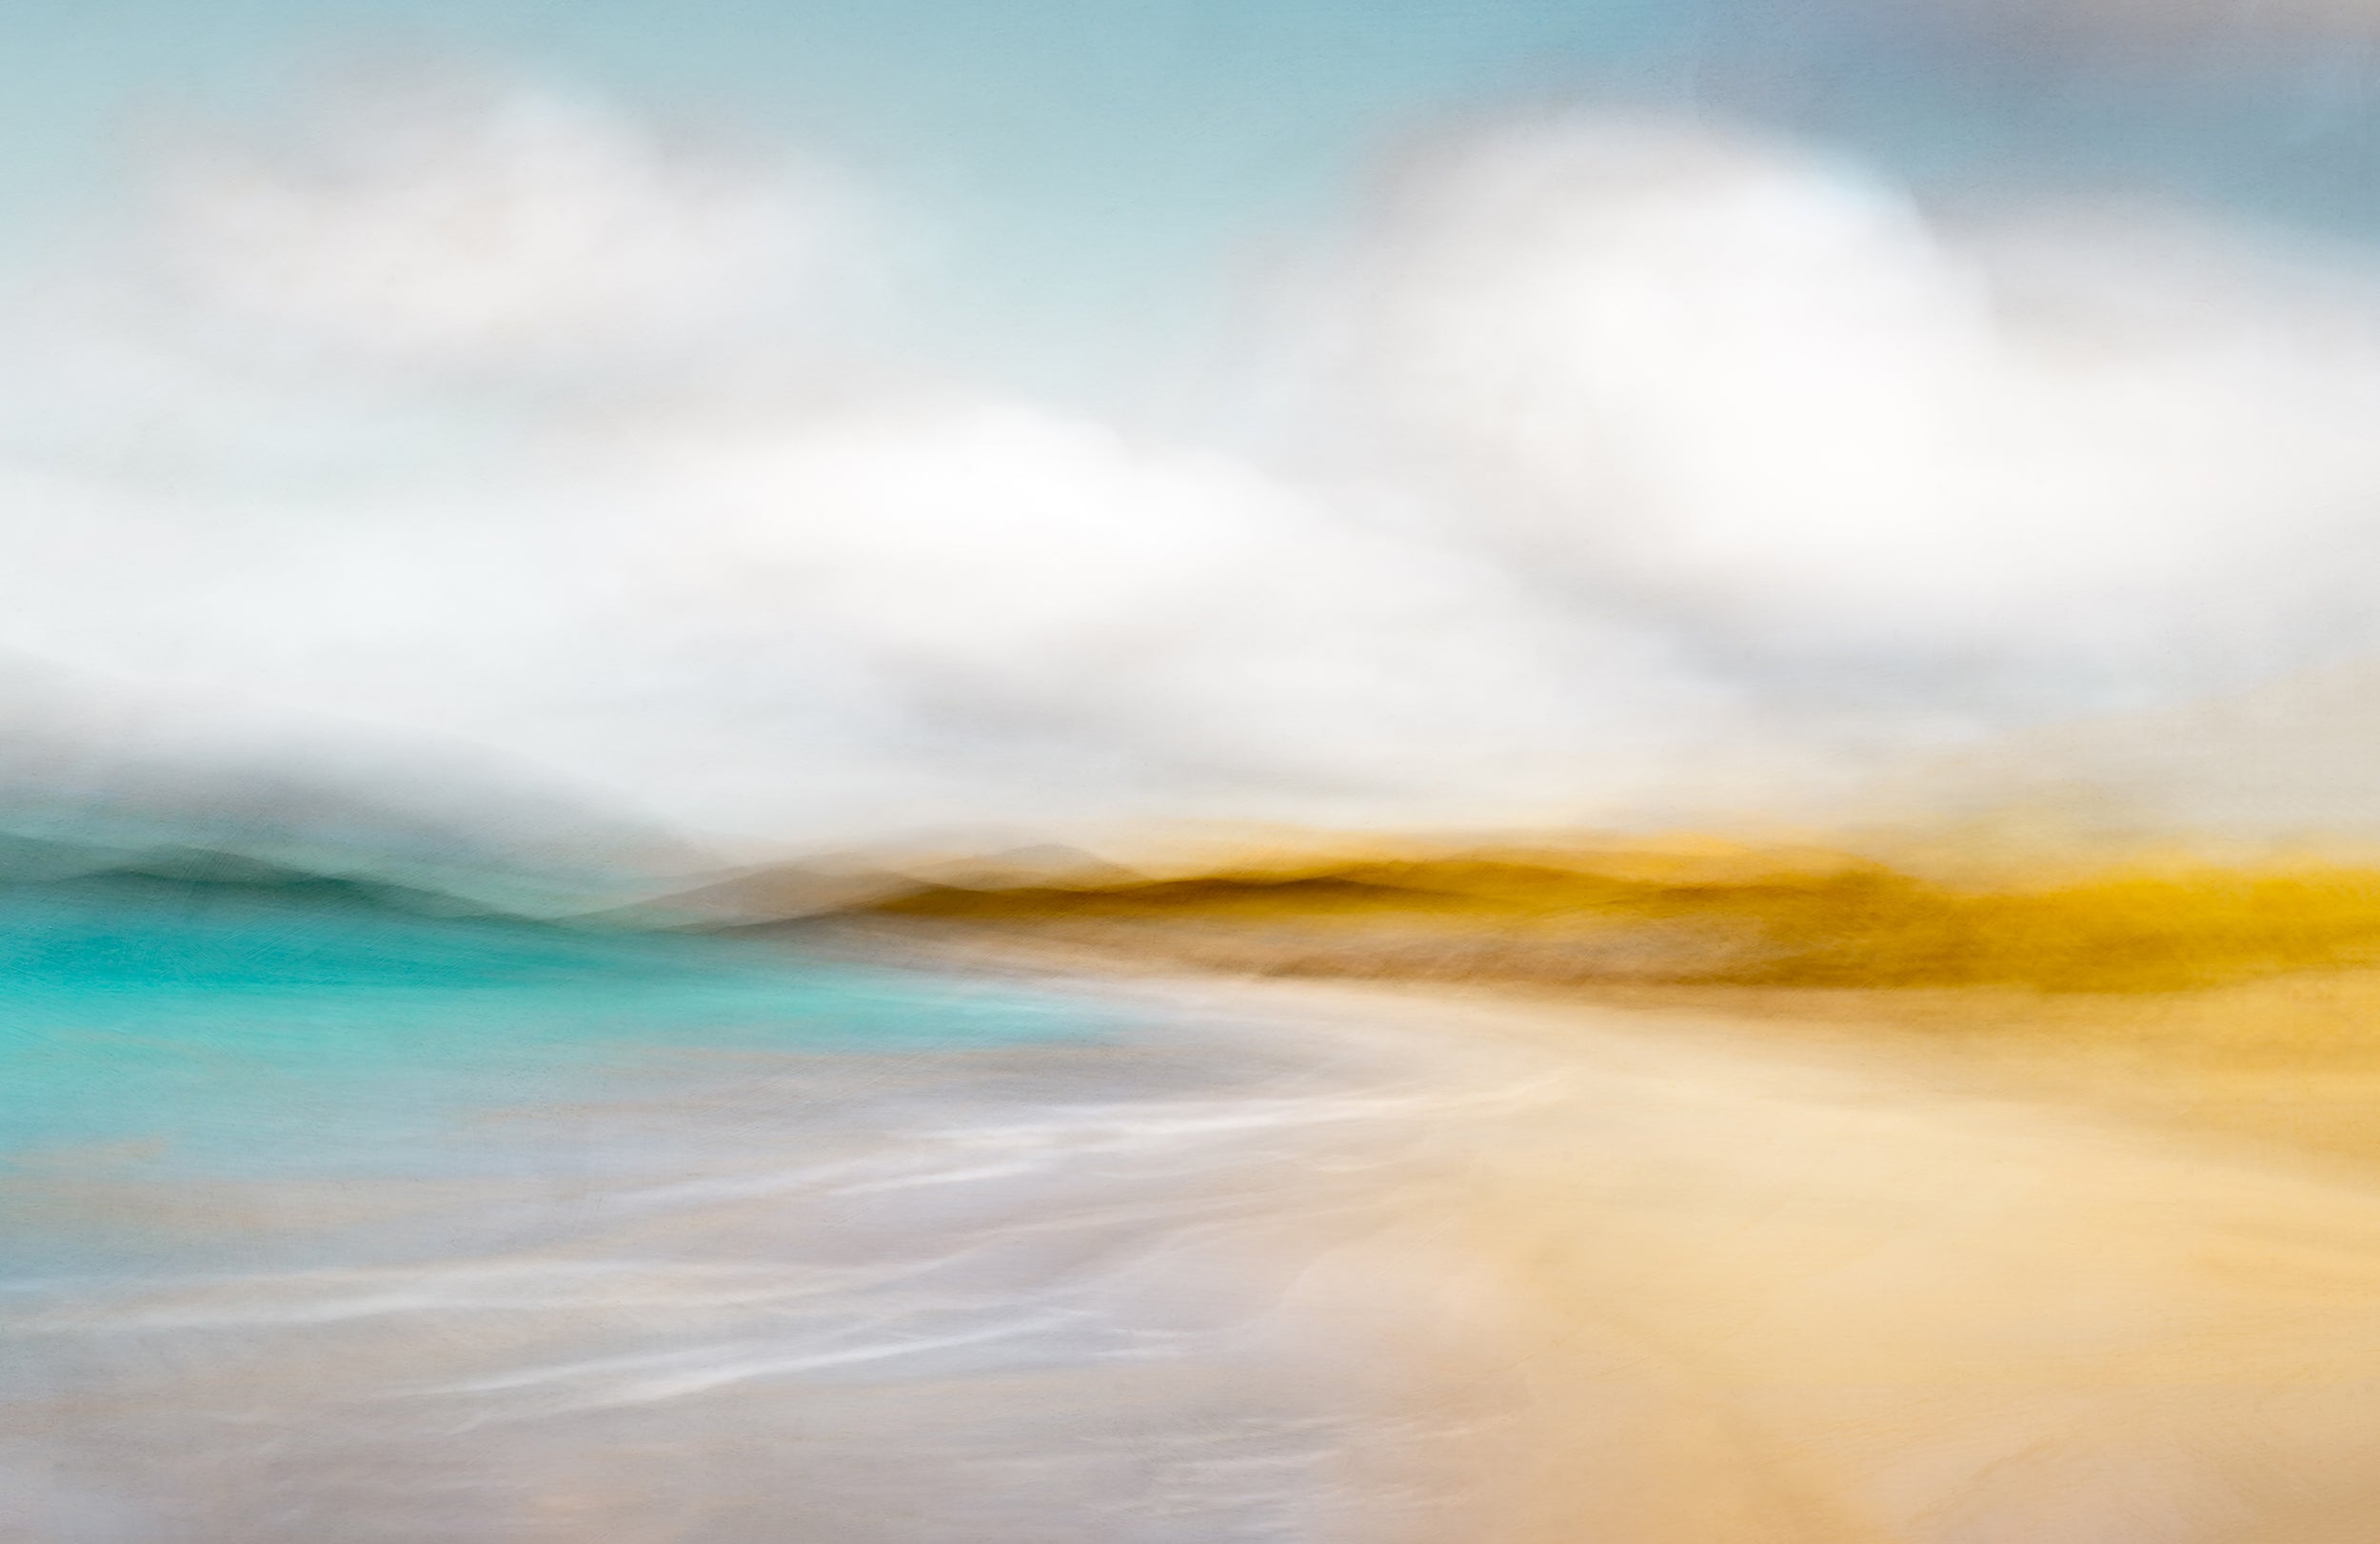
(2282, 1068)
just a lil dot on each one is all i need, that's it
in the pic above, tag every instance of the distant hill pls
(100, 774)
(191, 869)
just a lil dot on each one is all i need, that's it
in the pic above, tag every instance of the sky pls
(1095, 180)
(1101, 164)
(809, 425)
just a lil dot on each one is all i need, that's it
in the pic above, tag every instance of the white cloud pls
(1039, 588)
(727, 595)
(492, 419)
(1763, 395)
(449, 224)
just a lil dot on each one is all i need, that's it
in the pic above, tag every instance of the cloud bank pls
(1761, 395)
(1622, 472)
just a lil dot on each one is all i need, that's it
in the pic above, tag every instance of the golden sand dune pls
(1742, 916)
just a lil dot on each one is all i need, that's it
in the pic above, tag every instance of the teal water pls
(323, 1219)
(218, 1030)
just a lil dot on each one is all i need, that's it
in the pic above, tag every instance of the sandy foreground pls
(1681, 1283)
(1278, 1261)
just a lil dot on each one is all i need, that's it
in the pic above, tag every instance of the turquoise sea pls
(236, 1030)
(326, 1219)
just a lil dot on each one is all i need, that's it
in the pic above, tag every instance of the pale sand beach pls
(1261, 1261)
(1696, 1284)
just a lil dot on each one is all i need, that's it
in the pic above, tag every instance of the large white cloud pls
(1760, 393)
(1042, 591)
(379, 438)
(1678, 472)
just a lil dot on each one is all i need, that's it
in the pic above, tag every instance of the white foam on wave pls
(1048, 1294)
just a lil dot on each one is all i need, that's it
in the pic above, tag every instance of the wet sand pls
(1159, 1285)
